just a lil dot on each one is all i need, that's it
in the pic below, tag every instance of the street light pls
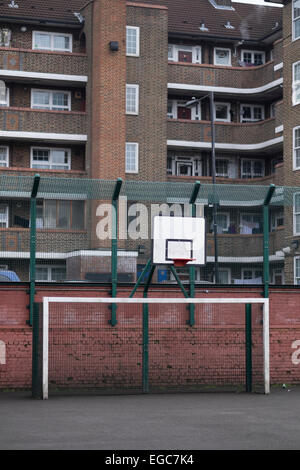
(213, 202)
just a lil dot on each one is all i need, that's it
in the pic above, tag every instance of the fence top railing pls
(17, 186)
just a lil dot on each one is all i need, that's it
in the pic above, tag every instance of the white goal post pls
(47, 301)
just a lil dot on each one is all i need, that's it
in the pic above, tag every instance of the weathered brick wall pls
(210, 352)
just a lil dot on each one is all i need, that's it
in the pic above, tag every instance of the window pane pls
(42, 40)
(223, 276)
(78, 215)
(297, 28)
(131, 99)
(247, 57)
(221, 111)
(222, 57)
(3, 155)
(298, 267)
(297, 203)
(58, 274)
(258, 58)
(41, 273)
(61, 43)
(131, 41)
(246, 112)
(257, 113)
(41, 99)
(50, 214)
(60, 101)
(64, 214)
(131, 154)
(59, 156)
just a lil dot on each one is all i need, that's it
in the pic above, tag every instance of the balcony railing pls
(255, 134)
(27, 60)
(27, 120)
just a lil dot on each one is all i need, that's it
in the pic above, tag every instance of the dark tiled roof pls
(57, 10)
(250, 21)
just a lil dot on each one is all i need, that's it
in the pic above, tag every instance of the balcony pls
(239, 81)
(252, 136)
(17, 240)
(33, 124)
(45, 67)
(233, 245)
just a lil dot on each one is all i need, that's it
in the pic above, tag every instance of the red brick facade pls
(211, 352)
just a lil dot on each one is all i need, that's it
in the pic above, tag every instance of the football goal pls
(151, 347)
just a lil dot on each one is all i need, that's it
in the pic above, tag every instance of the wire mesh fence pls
(76, 220)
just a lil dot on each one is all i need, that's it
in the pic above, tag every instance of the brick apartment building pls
(98, 89)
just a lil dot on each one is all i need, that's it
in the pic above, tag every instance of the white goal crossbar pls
(125, 300)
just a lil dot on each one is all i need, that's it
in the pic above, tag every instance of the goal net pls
(152, 347)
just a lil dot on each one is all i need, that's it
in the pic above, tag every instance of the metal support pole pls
(145, 367)
(248, 328)
(173, 271)
(266, 263)
(140, 278)
(192, 268)
(34, 192)
(213, 171)
(114, 250)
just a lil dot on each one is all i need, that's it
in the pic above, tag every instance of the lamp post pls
(214, 202)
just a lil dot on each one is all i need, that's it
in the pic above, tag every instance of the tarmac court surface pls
(197, 421)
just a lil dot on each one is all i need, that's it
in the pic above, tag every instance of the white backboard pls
(178, 238)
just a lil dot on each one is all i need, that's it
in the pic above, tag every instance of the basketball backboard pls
(178, 238)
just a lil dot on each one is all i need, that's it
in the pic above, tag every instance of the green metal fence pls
(76, 229)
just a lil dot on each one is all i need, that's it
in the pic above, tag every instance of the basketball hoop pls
(180, 262)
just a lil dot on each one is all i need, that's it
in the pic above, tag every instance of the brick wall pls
(177, 352)
(149, 71)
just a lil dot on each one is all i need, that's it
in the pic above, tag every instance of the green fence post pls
(114, 250)
(138, 282)
(266, 264)
(145, 367)
(248, 325)
(34, 192)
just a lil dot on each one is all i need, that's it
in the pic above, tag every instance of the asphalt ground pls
(198, 421)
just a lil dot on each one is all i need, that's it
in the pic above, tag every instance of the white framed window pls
(132, 99)
(253, 57)
(296, 19)
(50, 273)
(222, 166)
(61, 214)
(297, 270)
(184, 166)
(178, 110)
(224, 275)
(3, 216)
(222, 56)
(252, 168)
(223, 222)
(132, 157)
(277, 276)
(5, 37)
(51, 99)
(296, 148)
(222, 112)
(252, 112)
(252, 276)
(50, 158)
(296, 208)
(277, 220)
(43, 40)
(132, 41)
(4, 156)
(188, 54)
(4, 97)
(250, 224)
(296, 83)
